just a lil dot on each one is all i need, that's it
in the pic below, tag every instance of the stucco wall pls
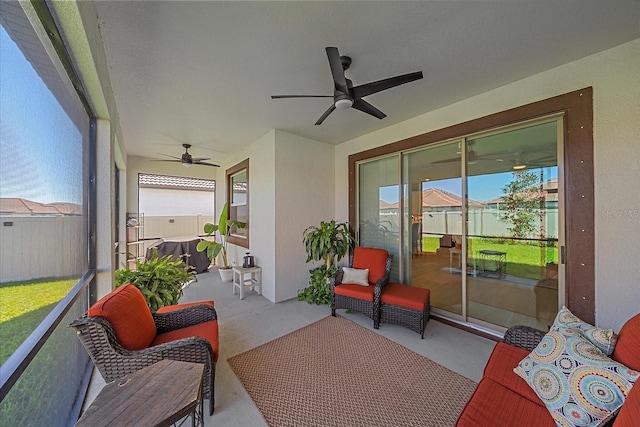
(304, 194)
(613, 74)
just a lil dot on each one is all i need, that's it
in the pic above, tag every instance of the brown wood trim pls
(578, 176)
(232, 171)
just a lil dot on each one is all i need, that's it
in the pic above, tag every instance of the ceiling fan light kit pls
(345, 95)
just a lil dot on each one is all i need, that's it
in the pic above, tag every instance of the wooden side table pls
(247, 277)
(158, 395)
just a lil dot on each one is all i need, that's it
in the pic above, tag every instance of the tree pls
(521, 205)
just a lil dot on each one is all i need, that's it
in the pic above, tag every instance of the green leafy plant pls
(223, 227)
(159, 279)
(328, 243)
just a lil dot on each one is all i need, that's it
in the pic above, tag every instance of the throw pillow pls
(604, 339)
(578, 383)
(354, 276)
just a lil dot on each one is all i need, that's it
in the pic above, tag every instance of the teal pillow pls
(577, 382)
(604, 339)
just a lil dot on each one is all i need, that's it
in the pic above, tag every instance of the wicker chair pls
(363, 299)
(117, 329)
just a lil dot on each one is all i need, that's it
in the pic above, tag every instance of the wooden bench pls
(405, 305)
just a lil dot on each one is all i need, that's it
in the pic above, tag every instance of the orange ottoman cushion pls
(372, 258)
(355, 291)
(127, 312)
(500, 366)
(495, 405)
(207, 330)
(405, 296)
(168, 308)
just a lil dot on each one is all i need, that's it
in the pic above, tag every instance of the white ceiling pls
(203, 72)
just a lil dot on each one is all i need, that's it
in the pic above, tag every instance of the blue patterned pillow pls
(578, 383)
(604, 339)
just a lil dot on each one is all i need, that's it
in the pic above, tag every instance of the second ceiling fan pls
(345, 95)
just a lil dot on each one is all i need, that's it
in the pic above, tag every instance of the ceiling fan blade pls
(380, 85)
(206, 164)
(163, 160)
(365, 107)
(336, 70)
(173, 157)
(199, 159)
(326, 114)
(300, 96)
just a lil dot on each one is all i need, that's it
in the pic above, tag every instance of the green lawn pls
(523, 260)
(23, 305)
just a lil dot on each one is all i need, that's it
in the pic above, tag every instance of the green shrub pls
(159, 279)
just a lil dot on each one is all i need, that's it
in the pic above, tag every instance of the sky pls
(40, 147)
(482, 188)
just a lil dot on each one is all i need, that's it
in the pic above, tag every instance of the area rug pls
(335, 372)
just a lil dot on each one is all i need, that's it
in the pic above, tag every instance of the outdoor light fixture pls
(343, 103)
(519, 167)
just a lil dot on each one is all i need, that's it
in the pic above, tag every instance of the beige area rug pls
(337, 373)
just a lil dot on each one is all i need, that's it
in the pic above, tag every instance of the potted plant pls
(159, 279)
(214, 247)
(328, 243)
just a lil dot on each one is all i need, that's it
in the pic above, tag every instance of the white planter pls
(226, 274)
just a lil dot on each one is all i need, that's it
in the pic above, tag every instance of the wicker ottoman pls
(405, 305)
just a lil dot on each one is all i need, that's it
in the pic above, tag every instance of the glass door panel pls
(433, 197)
(512, 233)
(379, 208)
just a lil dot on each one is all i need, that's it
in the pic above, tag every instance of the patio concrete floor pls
(245, 324)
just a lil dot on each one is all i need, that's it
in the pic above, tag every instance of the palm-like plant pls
(223, 227)
(328, 243)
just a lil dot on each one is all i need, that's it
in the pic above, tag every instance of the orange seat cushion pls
(405, 296)
(207, 330)
(500, 366)
(356, 291)
(126, 310)
(493, 405)
(629, 415)
(627, 349)
(374, 259)
(168, 308)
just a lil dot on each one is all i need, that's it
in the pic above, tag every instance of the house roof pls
(17, 206)
(435, 197)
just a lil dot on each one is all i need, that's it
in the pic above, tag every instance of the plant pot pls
(226, 274)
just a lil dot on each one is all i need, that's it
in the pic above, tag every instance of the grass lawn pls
(523, 260)
(23, 305)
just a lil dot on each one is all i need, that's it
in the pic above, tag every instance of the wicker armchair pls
(122, 336)
(524, 337)
(363, 299)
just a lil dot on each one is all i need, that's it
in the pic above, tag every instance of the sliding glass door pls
(478, 221)
(379, 208)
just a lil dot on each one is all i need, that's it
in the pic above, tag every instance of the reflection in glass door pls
(513, 226)
(379, 208)
(433, 195)
(481, 223)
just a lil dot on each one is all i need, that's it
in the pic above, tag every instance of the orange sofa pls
(502, 398)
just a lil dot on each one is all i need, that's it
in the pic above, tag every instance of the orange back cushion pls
(372, 258)
(627, 349)
(128, 313)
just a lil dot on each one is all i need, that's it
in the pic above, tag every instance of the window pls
(238, 200)
(44, 230)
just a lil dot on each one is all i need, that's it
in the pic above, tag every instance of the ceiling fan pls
(345, 95)
(187, 160)
(473, 157)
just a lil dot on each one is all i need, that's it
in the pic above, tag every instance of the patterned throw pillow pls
(604, 339)
(354, 276)
(578, 384)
